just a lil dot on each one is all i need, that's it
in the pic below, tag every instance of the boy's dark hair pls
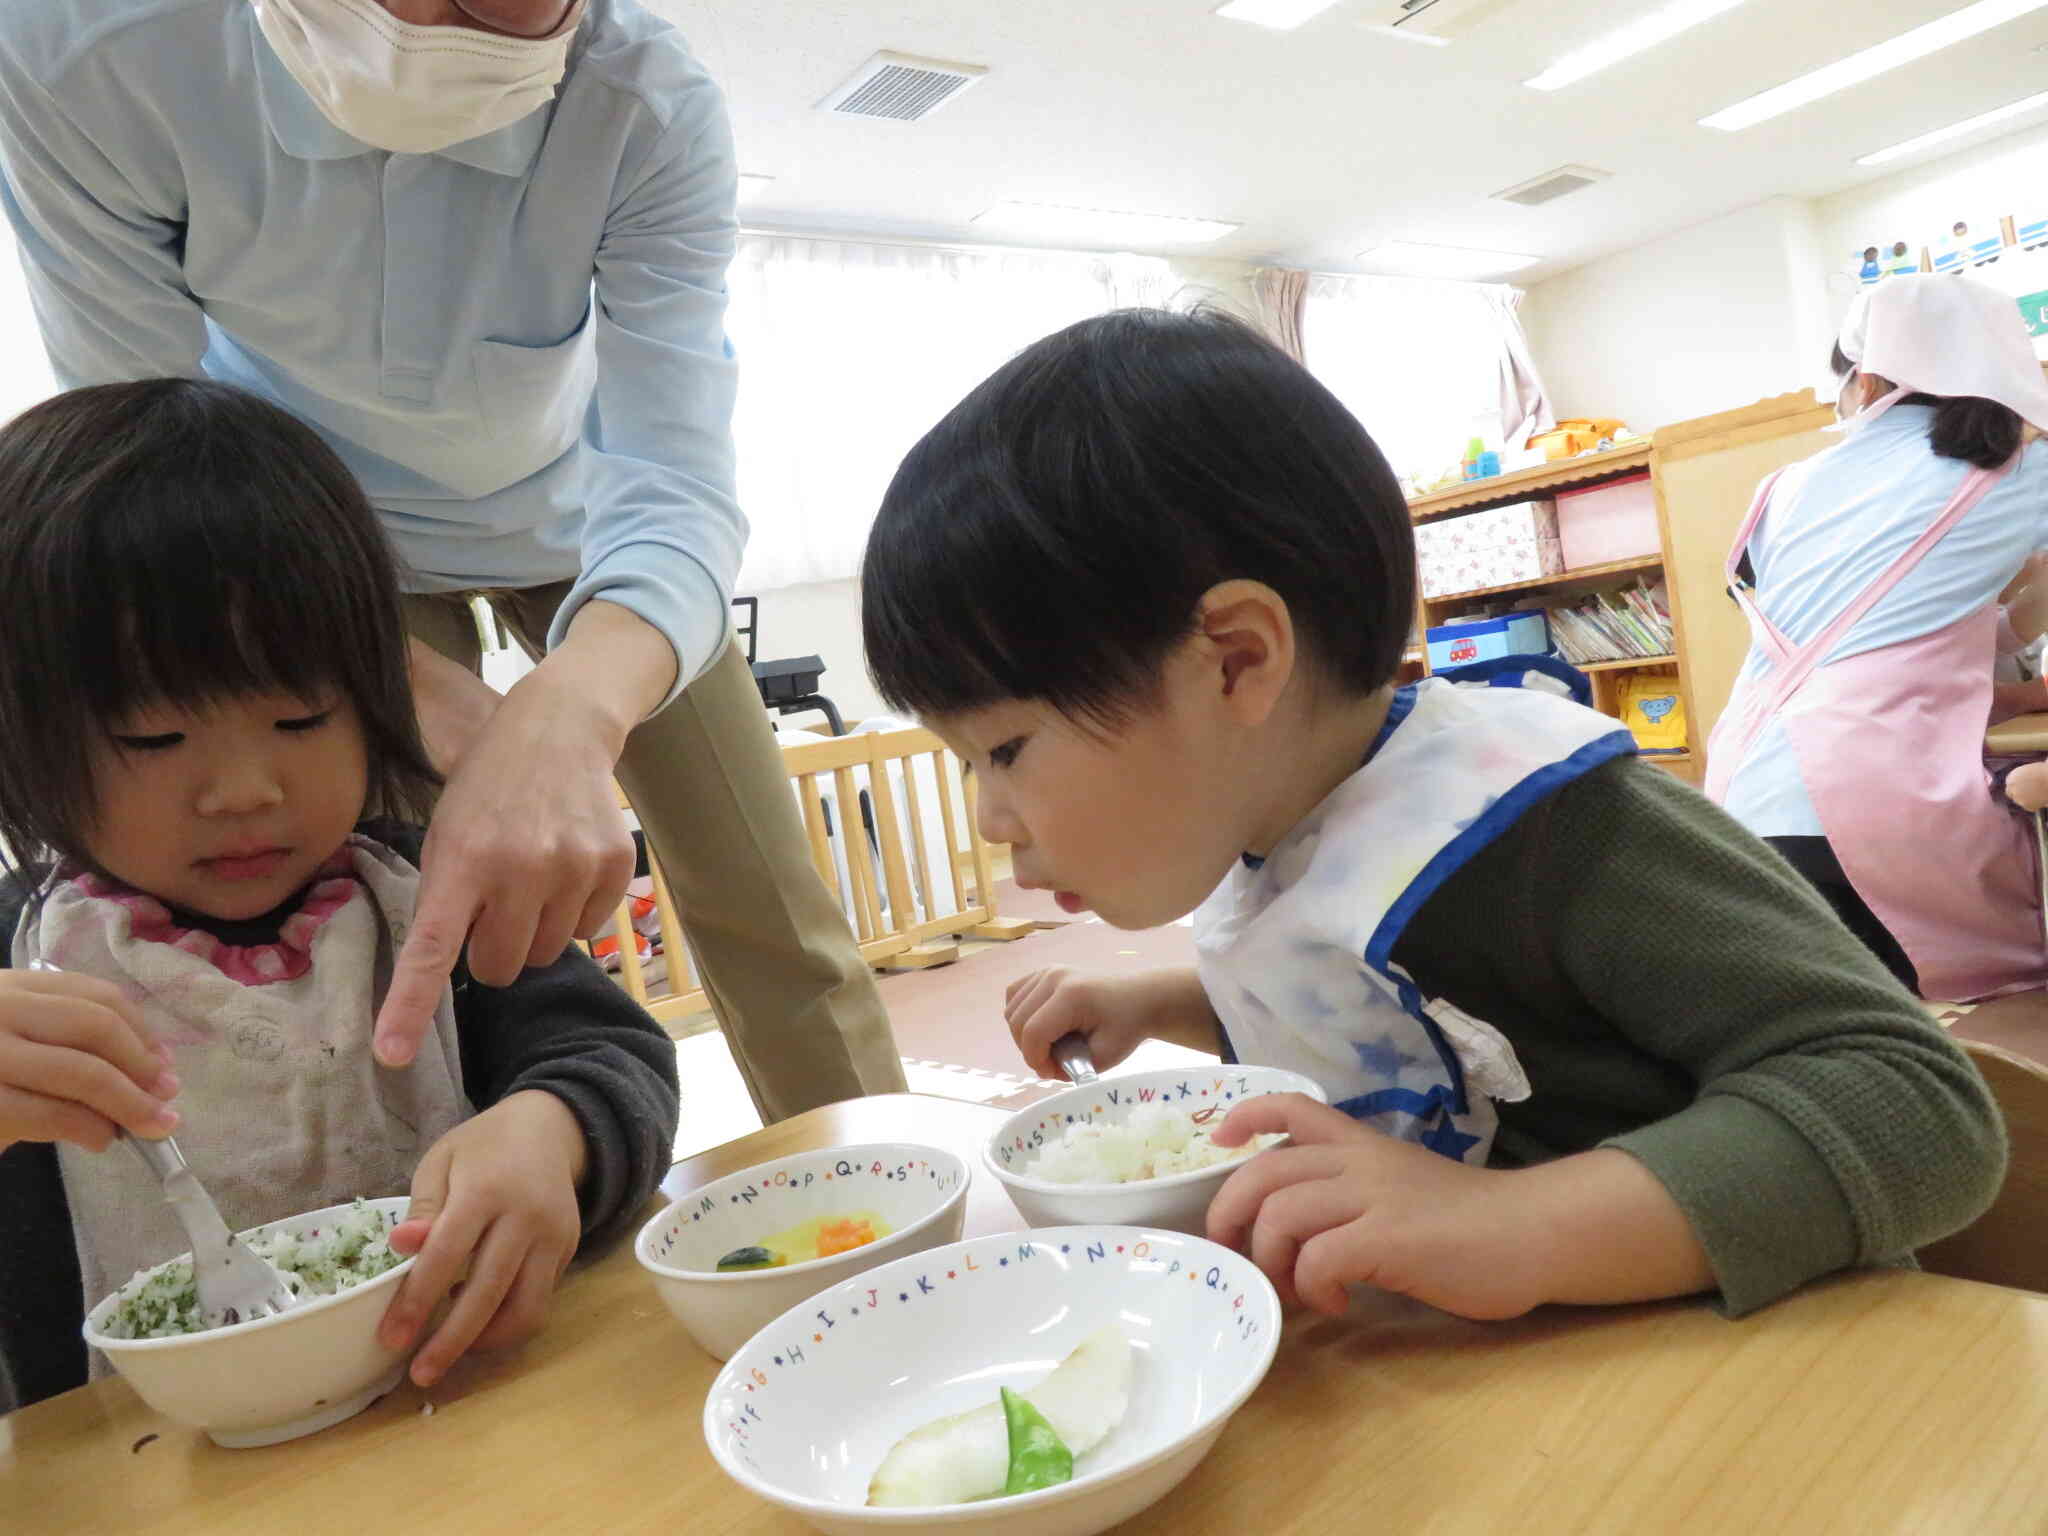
(182, 540)
(1052, 536)
(1977, 431)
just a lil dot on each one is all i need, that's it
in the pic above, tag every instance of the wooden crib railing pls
(890, 821)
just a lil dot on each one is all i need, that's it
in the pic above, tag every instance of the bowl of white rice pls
(278, 1377)
(1132, 1150)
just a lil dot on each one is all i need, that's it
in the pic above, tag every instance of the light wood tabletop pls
(1872, 1403)
(2022, 733)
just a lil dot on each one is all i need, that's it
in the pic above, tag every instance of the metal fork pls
(235, 1286)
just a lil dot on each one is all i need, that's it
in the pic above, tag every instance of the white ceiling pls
(1328, 139)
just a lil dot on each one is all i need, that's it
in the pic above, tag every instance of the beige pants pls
(797, 1003)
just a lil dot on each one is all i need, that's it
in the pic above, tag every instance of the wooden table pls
(2020, 734)
(1882, 1402)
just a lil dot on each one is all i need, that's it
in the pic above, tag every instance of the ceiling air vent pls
(1552, 185)
(901, 88)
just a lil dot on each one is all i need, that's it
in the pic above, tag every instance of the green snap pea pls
(1038, 1457)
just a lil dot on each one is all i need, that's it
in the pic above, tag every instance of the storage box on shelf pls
(1463, 645)
(1615, 520)
(1699, 477)
(1499, 546)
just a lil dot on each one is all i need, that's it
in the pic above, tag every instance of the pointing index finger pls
(440, 924)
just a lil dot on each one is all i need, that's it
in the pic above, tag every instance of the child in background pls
(204, 695)
(1586, 1040)
(2020, 688)
(2017, 688)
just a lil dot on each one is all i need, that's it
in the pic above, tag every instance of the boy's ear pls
(1247, 638)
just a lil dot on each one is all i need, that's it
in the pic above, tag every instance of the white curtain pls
(850, 352)
(1425, 365)
(24, 367)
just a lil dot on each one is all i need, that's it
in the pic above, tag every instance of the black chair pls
(788, 686)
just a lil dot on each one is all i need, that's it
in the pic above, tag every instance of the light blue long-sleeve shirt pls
(1836, 522)
(516, 343)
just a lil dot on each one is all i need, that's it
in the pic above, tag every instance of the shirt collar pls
(303, 130)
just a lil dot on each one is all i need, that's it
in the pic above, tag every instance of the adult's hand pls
(527, 848)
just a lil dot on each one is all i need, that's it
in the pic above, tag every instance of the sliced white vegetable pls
(966, 1457)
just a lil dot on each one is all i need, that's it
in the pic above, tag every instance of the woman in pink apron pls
(1854, 738)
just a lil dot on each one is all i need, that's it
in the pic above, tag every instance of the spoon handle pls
(1070, 1053)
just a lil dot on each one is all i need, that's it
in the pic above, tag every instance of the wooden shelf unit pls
(1627, 664)
(1704, 473)
(1499, 490)
(1587, 578)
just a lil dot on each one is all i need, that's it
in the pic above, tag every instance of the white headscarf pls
(1941, 335)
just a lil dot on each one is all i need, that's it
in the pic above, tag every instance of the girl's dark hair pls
(1967, 427)
(180, 540)
(1052, 536)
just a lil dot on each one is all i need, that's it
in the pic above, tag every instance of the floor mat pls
(954, 1013)
(948, 1020)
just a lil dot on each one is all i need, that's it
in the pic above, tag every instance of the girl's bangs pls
(235, 603)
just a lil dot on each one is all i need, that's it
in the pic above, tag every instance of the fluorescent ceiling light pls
(752, 185)
(1944, 32)
(1281, 15)
(1956, 130)
(1406, 259)
(1099, 226)
(1639, 36)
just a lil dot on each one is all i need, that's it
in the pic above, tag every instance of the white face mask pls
(410, 89)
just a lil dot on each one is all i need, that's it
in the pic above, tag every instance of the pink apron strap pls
(1795, 666)
(1761, 629)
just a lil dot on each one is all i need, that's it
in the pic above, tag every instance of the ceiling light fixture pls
(1956, 130)
(1404, 258)
(1943, 32)
(1280, 15)
(1099, 226)
(1639, 36)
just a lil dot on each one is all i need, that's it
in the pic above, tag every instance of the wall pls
(1746, 305)
(1705, 320)
(1980, 185)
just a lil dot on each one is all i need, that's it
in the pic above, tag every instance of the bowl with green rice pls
(279, 1377)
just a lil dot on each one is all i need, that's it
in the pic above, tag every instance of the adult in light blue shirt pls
(480, 245)
(1853, 739)
(1837, 520)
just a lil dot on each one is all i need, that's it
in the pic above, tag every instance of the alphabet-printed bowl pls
(919, 1192)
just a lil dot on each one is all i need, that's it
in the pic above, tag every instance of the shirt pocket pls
(534, 398)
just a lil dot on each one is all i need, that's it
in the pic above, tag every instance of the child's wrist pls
(557, 1123)
(1598, 1228)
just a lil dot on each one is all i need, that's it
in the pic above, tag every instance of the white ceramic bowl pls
(1178, 1202)
(919, 1191)
(276, 1378)
(805, 1411)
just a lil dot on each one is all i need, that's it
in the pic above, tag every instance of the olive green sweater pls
(1674, 989)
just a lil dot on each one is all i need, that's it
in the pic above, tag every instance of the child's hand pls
(1346, 1205)
(77, 1063)
(1109, 1011)
(496, 1195)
